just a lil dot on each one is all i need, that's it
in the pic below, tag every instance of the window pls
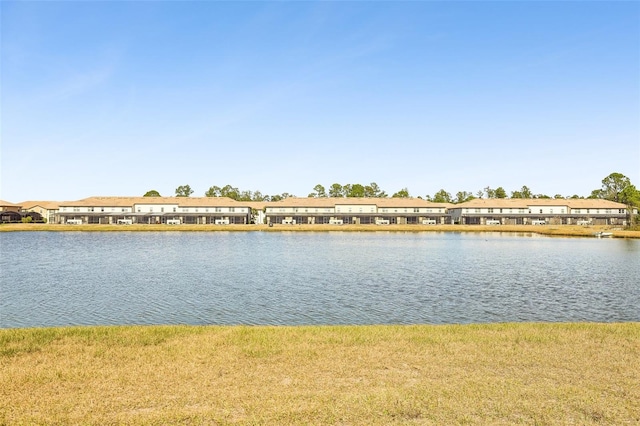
(540, 211)
(233, 209)
(490, 210)
(218, 209)
(477, 210)
(551, 211)
(162, 209)
(102, 209)
(521, 211)
(174, 209)
(561, 210)
(577, 211)
(416, 210)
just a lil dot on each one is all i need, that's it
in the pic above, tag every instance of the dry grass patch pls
(473, 374)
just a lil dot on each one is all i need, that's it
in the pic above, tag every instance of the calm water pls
(72, 278)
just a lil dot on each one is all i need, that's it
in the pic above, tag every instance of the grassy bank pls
(558, 230)
(474, 374)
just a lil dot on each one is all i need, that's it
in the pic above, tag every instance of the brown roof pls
(8, 204)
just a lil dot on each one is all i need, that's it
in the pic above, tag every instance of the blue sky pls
(119, 97)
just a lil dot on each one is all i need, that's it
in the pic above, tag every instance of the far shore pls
(551, 230)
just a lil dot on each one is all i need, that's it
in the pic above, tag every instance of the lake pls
(296, 278)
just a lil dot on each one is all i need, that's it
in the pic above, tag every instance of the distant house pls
(47, 209)
(14, 213)
(335, 210)
(9, 212)
(154, 210)
(6, 206)
(523, 211)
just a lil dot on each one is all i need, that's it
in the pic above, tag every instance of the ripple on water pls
(313, 278)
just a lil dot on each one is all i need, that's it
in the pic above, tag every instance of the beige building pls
(154, 210)
(6, 206)
(338, 211)
(47, 209)
(522, 211)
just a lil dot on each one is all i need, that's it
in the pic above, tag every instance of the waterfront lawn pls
(459, 374)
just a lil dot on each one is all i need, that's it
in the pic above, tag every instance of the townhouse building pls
(297, 210)
(154, 210)
(14, 213)
(516, 211)
(46, 209)
(338, 211)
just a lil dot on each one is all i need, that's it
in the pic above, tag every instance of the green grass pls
(587, 374)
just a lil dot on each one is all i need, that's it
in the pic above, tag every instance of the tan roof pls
(49, 205)
(8, 204)
(526, 202)
(131, 201)
(591, 203)
(258, 205)
(101, 201)
(334, 201)
(208, 202)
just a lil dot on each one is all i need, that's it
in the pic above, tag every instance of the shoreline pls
(548, 230)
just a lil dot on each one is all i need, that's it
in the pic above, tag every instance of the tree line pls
(615, 187)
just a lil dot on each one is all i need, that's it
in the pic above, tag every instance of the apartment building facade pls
(516, 211)
(357, 211)
(154, 210)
